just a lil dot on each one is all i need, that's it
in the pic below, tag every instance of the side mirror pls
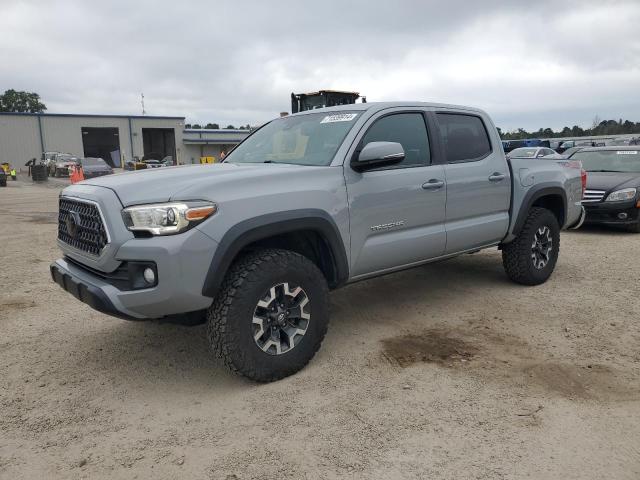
(540, 155)
(378, 154)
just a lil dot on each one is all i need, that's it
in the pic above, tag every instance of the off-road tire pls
(517, 255)
(229, 319)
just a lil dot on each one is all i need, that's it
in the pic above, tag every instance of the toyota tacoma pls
(306, 204)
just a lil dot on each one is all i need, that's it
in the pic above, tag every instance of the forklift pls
(323, 98)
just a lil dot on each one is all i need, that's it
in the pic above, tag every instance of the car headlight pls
(624, 194)
(167, 218)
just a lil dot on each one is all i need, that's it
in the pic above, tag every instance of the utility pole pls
(142, 103)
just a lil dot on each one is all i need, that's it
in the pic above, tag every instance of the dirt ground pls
(444, 371)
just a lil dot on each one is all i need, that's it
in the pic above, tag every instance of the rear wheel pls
(531, 258)
(270, 315)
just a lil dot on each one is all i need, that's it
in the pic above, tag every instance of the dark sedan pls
(612, 196)
(95, 167)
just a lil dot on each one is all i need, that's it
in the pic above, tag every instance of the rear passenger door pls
(396, 212)
(478, 181)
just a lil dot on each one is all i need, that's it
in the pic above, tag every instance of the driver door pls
(397, 212)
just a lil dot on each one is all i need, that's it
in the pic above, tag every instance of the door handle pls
(433, 184)
(497, 177)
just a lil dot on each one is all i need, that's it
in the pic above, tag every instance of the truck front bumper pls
(85, 290)
(181, 263)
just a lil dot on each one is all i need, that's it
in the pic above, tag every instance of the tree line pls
(215, 126)
(599, 127)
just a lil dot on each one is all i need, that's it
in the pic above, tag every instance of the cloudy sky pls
(529, 63)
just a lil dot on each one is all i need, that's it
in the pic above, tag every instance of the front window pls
(609, 160)
(310, 139)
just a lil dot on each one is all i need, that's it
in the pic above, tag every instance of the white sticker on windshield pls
(340, 117)
(627, 152)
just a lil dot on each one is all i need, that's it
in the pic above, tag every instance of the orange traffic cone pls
(76, 174)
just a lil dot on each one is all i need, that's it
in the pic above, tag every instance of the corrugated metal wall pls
(64, 134)
(20, 135)
(19, 139)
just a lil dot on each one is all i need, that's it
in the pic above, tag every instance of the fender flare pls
(535, 193)
(265, 226)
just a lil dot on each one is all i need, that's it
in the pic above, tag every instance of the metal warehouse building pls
(115, 138)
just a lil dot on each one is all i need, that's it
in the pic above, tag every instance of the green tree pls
(21, 102)
(187, 126)
(212, 126)
(230, 127)
(196, 126)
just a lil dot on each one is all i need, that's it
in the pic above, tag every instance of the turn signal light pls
(638, 204)
(199, 213)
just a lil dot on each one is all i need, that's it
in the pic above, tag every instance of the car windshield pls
(609, 160)
(93, 161)
(309, 139)
(67, 158)
(523, 152)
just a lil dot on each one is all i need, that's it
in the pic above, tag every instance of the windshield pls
(609, 160)
(93, 161)
(524, 152)
(67, 158)
(310, 139)
(572, 150)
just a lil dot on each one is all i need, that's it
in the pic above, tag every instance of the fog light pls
(149, 276)
(622, 216)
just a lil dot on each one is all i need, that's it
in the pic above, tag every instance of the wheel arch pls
(310, 232)
(549, 196)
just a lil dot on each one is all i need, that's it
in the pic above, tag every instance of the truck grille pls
(80, 225)
(591, 196)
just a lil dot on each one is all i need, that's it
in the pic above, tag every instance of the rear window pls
(465, 137)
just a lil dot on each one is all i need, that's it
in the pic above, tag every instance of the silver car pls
(533, 152)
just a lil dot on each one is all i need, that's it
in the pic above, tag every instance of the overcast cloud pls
(529, 63)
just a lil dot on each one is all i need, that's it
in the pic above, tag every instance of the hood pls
(189, 182)
(612, 180)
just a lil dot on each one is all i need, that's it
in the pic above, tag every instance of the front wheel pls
(531, 258)
(270, 316)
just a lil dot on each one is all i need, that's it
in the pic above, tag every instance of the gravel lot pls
(443, 371)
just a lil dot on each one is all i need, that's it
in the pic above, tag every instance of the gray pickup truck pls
(306, 204)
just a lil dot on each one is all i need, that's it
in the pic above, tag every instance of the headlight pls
(619, 195)
(167, 218)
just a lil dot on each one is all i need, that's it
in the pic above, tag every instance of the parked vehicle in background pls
(49, 157)
(307, 203)
(510, 145)
(94, 167)
(533, 152)
(60, 164)
(152, 163)
(574, 143)
(612, 196)
(624, 142)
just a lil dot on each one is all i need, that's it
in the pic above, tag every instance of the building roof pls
(83, 115)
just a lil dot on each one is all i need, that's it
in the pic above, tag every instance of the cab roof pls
(376, 106)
